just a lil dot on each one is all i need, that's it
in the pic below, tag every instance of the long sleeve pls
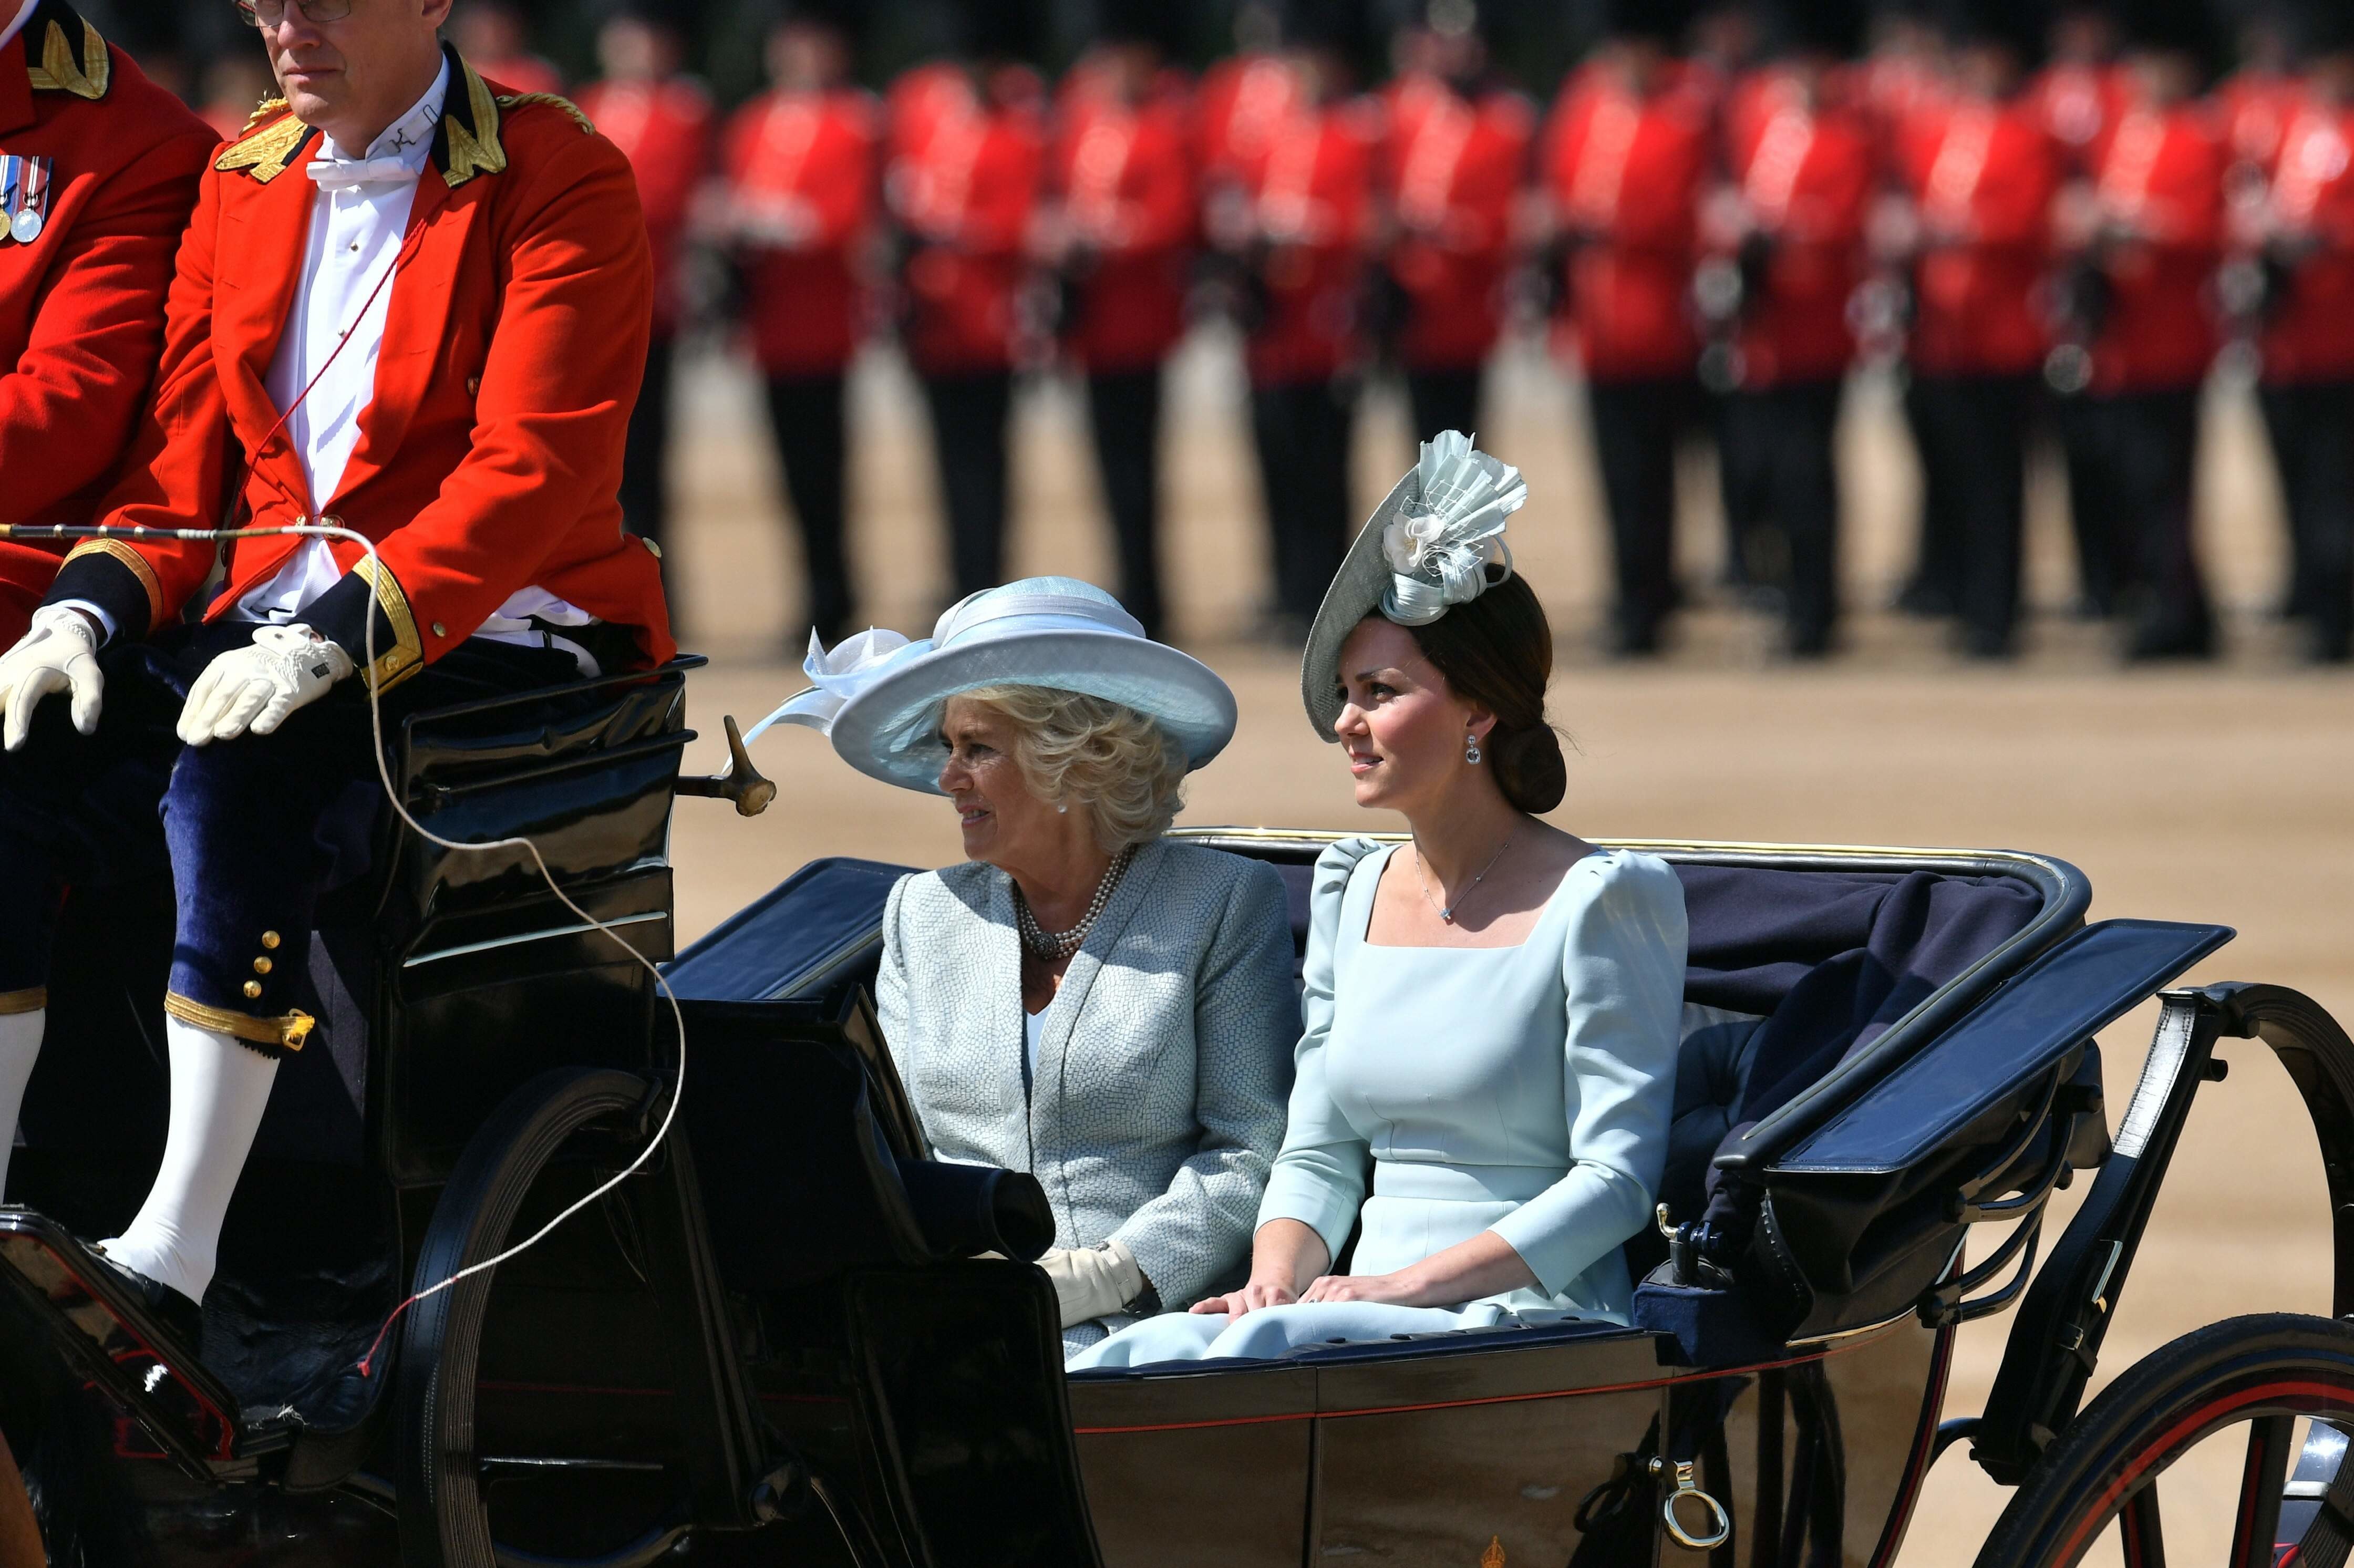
(891, 1009)
(1242, 1025)
(1320, 1174)
(1623, 968)
(173, 475)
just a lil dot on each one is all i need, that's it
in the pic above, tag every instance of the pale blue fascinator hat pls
(878, 697)
(1437, 541)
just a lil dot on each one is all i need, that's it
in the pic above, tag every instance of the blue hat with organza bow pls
(879, 697)
(1436, 541)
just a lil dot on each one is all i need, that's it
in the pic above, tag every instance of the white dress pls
(1447, 1091)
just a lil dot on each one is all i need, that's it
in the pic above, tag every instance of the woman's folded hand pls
(1399, 1290)
(1259, 1292)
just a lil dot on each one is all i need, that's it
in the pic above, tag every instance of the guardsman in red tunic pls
(2151, 242)
(961, 178)
(1459, 157)
(1788, 240)
(495, 34)
(105, 167)
(2080, 93)
(1303, 237)
(1125, 228)
(411, 303)
(2307, 338)
(799, 162)
(1625, 155)
(660, 120)
(1981, 173)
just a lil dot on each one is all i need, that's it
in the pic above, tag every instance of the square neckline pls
(1389, 852)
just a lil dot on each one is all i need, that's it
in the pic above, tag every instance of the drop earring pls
(1471, 753)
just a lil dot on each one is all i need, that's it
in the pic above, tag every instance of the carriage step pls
(110, 1339)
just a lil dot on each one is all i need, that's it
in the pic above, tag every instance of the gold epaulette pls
(518, 100)
(59, 71)
(262, 112)
(264, 153)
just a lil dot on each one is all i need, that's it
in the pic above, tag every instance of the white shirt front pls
(355, 237)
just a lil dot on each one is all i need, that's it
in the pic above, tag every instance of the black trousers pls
(1303, 430)
(1775, 456)
(1444, 400)
(2105, 557)
(645, 449)
(2141, 449)
(1636, 426)
(1973, 435)
(1936, 586)
(254, 829)
(805, 413)
(2312, 430)
(1124, 412)
(968, 437)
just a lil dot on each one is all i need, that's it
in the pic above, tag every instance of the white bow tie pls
(356, 173)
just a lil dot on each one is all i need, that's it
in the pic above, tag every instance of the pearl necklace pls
(1055, 946)
(1447, 914)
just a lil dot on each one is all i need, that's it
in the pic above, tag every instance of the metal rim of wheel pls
(2106, 1472)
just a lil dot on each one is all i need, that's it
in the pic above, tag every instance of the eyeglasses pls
(272, 13)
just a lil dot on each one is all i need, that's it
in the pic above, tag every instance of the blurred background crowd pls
(2041, 234)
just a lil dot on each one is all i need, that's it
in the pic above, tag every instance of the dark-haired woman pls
(1491, 1009)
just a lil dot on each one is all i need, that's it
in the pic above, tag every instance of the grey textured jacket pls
(1163, 1068)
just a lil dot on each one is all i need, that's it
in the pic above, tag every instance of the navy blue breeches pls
(240, 823)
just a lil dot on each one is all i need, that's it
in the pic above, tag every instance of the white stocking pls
(20, 1047)
(219, 1089)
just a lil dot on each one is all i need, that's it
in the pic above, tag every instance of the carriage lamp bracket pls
(740, 784)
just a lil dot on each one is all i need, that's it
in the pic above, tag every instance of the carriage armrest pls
(2070, 994)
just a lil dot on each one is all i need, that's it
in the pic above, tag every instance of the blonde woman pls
(1082, 1000)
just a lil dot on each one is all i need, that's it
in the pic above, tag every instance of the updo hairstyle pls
(1124, 770)
(1496, 650)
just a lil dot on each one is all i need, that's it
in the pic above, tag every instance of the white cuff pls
(105, 621)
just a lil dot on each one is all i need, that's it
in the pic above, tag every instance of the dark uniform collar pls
(465, 143)
(63, 53)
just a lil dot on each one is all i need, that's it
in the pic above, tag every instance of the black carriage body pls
(778, 1341)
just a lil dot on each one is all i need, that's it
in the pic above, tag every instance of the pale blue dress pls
(1447, 1091)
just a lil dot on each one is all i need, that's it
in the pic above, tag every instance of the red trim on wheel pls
(2330, 1394)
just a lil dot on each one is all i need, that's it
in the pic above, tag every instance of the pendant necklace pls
(1055, 946)
(1447, 914)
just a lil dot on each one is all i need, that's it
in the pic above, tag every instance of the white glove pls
(1093, 1282)
(57, 654)
(255, 687)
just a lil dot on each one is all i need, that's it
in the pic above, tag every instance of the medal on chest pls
(25, 196)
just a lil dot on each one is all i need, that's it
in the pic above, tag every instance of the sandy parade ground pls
(2213, 793)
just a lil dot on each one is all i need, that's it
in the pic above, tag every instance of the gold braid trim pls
(554, 100)
(263, 111)
(59, 72)
(406, 654)
(32, 999)
(132, 562)
(477, 151)
(265, 153)
(288, 1032)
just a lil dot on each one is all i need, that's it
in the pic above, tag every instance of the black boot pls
(178, 1315)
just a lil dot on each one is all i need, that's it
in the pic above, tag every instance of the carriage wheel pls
(444, 1515)
(2232, 1405)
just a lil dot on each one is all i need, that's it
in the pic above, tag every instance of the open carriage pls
(782, 1342)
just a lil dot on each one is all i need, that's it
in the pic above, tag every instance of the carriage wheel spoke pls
(2145, 1536)
(2261, 1480)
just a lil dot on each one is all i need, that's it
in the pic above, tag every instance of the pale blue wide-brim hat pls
(879, 697)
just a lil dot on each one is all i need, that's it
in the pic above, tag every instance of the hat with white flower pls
(1436, 543)
(878, 697)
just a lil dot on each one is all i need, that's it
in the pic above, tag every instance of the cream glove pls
(256, 686)
(57, 654)
(1093, 1281)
